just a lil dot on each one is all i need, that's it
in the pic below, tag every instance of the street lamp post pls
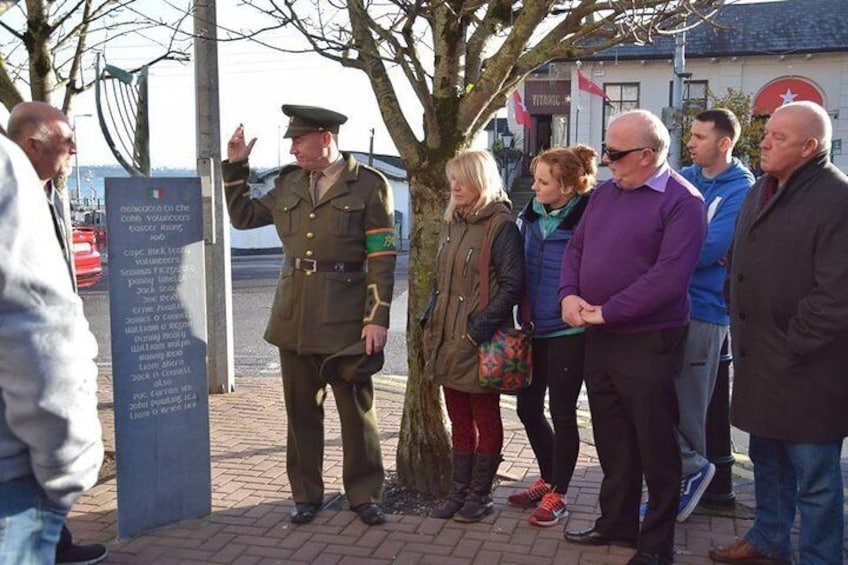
(76, 154)
(504, 155)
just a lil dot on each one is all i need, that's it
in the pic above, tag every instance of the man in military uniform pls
(330, 314)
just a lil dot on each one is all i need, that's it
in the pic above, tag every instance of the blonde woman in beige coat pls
(455, 324)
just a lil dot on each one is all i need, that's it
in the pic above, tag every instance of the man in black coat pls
(789, 328)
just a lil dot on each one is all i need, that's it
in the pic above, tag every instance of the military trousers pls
(304, 392)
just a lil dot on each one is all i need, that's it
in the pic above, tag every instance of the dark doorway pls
(543, 133)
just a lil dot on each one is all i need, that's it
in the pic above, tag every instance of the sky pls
(254, 82)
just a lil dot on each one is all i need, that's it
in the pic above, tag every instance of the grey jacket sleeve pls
(48, 378)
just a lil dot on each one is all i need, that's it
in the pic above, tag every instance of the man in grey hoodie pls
(50, 437)
(723, 181)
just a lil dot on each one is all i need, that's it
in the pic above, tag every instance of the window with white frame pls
(623, 96)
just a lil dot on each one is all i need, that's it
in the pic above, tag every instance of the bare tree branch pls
(54, 42)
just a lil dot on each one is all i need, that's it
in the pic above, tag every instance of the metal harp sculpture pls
(122, 111)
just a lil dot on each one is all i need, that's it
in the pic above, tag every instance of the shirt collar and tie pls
(321, 181)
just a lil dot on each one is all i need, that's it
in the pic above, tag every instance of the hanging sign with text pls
(158, 319)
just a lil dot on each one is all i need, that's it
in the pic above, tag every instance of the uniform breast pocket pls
(286, 215)
(348, 215)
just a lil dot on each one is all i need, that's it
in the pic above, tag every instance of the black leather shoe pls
(594, 537)
(304, 513)
(76, 554)
(651, 559)
(371, 514)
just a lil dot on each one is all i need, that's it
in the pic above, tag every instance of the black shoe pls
(594, 537)
(304, 513)
(651, 559)
(75, 554)
(370, 513)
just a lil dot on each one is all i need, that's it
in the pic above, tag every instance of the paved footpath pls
(251, 501)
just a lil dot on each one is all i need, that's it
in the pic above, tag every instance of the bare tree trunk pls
(423, 455)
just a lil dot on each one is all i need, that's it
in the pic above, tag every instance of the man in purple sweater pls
(625, 276)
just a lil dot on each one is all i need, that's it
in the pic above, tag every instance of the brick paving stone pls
(452, 560)
(467, 548)
(448, 536)
(309, 551)
(346, 550)
(228, 553)
(389, 549)
(406, 557)
(245, 560)
(328, 559)
(273, 561)
(487, 557)
(347, 560)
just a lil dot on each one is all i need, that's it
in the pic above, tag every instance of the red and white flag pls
(522, 116)
(585, 83)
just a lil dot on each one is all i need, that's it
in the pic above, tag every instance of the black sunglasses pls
(615, 154)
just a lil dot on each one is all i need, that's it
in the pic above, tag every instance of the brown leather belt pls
(313, 266)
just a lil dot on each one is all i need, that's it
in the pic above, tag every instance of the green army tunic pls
(324, 311)
(337, 275)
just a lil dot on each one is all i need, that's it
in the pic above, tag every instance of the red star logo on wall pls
(783, 91)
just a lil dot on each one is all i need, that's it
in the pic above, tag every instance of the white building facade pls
(776, 52)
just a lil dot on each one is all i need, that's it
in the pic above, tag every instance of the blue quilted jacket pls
(543, 256)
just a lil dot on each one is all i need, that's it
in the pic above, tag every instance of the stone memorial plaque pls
(158, 319)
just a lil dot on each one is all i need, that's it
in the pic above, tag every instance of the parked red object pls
(87, 262)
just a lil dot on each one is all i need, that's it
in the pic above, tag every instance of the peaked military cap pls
(304, 119)
(351, 365)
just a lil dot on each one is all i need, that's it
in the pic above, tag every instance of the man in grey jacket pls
(50, 437)
(47, 138)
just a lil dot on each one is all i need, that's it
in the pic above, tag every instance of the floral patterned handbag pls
(505, 362)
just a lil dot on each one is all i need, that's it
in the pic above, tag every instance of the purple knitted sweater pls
(634, 252)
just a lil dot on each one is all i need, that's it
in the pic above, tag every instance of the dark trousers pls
(630, 380)
(557, 370)
(304, 392)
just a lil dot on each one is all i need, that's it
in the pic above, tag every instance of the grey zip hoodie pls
(49, 427)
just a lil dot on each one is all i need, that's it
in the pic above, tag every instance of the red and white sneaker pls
(530, 497)
(551, 510)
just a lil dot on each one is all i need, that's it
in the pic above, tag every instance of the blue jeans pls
(803, 475)
(29, 523)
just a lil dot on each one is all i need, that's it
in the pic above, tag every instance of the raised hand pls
(237, 150)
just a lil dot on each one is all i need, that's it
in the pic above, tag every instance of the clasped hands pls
(577, 313)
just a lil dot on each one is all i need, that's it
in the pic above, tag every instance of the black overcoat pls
(789, 308)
